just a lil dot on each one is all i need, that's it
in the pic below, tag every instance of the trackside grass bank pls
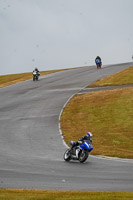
(10, 79)
(120, 78)
(108, 114)
(62, 195)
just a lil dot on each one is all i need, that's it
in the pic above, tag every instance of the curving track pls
(31, 147)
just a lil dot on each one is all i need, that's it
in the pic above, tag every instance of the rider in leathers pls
(87, 137)
(36, 69)
(98, 58)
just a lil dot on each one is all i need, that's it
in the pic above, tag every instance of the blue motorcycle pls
(80, 152)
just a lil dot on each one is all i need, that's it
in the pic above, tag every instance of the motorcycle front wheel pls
(67, 155)
(83, 155)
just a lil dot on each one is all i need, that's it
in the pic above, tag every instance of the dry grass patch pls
(121, 78)
(62, 195)
(108, 115)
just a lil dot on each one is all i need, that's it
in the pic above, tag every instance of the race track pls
(31, 146)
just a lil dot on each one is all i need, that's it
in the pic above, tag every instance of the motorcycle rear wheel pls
(83, 155)
(67, 155)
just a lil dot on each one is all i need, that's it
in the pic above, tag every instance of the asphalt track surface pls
(31, 146)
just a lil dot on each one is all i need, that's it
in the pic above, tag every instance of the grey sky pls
(54, 34)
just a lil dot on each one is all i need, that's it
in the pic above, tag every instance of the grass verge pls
(121, 78)
(62, 195)
(108, 114)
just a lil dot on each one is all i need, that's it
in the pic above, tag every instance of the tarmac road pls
(31, 146)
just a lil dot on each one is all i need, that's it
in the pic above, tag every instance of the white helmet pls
(89, 134)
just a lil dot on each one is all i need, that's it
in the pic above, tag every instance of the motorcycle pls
(80, 152)
(35, 76)
(98, 63)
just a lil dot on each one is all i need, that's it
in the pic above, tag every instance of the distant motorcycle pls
(80, 152)
(98, 63)
(35, 76)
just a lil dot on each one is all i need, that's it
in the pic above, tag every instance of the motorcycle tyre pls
(98, 66)
(84, 157)
(68, 154)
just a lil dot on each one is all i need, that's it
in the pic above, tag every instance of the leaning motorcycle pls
(80, 152)
(35, 76)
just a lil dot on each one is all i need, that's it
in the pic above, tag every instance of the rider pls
(87, 137)
(98, 59)
(36, 70)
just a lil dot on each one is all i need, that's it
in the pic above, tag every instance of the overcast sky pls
(55, 34)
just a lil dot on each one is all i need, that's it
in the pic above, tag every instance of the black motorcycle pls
(35, 76)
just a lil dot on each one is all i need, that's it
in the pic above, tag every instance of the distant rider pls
(98, 59)
(36, 74)
(36, 70)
